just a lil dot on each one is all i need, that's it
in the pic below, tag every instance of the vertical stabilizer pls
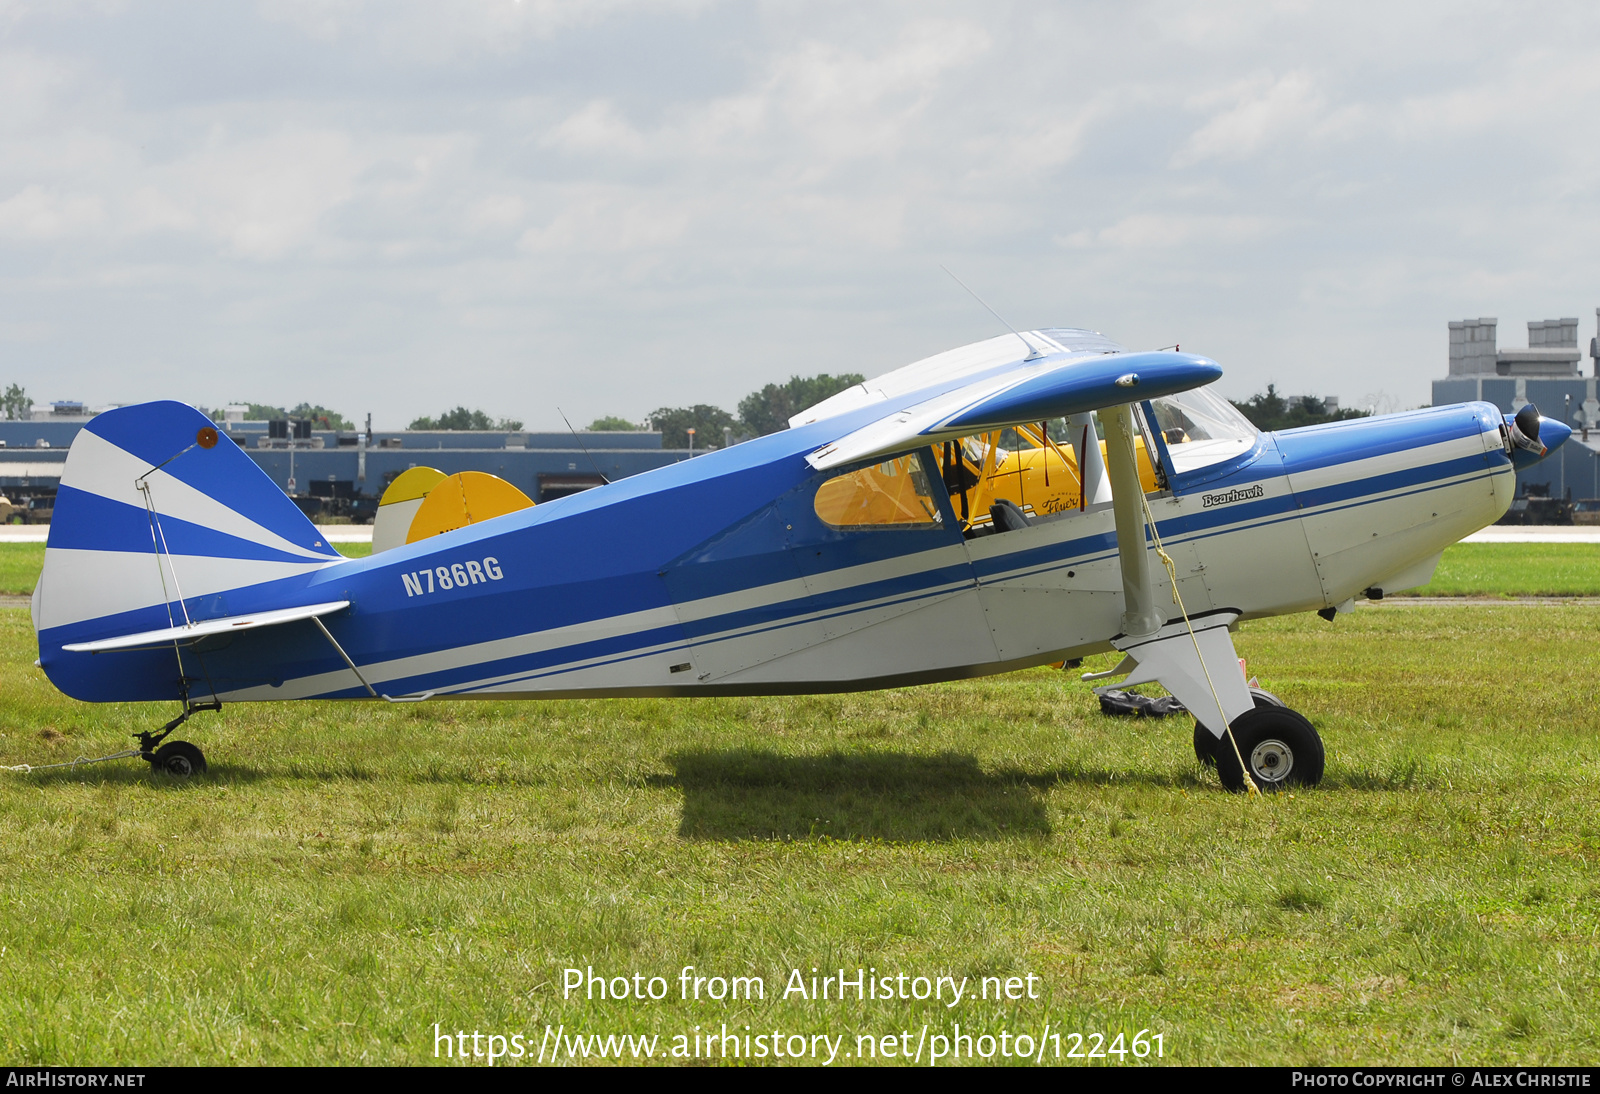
(159, 520)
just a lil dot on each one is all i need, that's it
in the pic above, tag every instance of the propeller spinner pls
(1525, 430)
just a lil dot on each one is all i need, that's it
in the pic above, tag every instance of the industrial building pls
(342, 473)
(1547, 372)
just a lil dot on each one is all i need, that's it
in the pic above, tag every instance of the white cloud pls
(611, 219)
(597, 128)
(300, 192)
(38, 213)
(1161, 231)
(1254, 113)
(441, 34)
(259, 197)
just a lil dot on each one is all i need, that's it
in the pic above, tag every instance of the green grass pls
(1516, 569)
(348, 875)
(20, 564)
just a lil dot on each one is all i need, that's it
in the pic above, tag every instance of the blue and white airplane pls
(830, 556)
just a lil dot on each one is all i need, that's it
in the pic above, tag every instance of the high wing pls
(957, 367)
(194, 631)
(1050, 386)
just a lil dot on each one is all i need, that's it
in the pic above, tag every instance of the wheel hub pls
(1271, 761)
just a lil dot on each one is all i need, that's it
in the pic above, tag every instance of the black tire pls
(180, 759)
(1205, 745)
(1279, 745)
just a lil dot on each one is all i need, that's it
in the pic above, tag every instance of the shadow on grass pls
(741, 794)
(132, 771)
(745, 795)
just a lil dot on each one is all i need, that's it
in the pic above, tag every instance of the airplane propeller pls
(1525, 429)
(1532, 436)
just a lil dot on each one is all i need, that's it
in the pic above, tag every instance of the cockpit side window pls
(1201, 428)
(893, 494)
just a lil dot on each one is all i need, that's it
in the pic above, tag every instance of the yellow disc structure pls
(399, 505)
(470, 497)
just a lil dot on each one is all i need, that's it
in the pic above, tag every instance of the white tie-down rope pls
(79, 762)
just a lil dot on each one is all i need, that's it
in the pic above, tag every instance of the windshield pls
(1202, 428)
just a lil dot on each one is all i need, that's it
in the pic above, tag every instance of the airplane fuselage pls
(621, 591)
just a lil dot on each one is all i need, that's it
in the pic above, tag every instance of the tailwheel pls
(1280, 747)
(179, 759)
(1206, 743)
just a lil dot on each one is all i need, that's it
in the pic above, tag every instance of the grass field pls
(1516, 569)
(348, 875)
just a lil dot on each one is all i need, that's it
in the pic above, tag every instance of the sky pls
(610, 206)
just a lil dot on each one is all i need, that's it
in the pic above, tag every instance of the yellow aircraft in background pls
(423, 502)
(1023, 466)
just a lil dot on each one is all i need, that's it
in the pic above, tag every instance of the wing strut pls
(1141, 617)
(1179, 656)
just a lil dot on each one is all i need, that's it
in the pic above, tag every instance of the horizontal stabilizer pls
(194, 631)
(1033, 391)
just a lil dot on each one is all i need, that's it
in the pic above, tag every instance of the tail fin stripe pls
(160, 430)
(96, 466)
(128, 583)
(90, 522)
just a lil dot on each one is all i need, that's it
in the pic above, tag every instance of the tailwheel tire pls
(1206, 745)
(1279, 746)
(180, 759)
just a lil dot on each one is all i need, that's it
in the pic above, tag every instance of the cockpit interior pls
(1012, 478)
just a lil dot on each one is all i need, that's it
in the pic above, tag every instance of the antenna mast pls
(585, 448)
(1033, 353)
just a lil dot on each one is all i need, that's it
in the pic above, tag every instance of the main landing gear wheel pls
(1206, 744)
(179, 759)
(1280, 747)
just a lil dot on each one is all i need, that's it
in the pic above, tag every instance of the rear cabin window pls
(895, 494)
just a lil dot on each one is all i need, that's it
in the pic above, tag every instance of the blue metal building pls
(1546, 373)
(357, 465)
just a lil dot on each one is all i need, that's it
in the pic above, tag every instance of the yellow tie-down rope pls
(1172, 574)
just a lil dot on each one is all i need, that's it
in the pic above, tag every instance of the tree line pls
(462, 418)
(320, 417)
(323, 418)
(1270, 411)
(761, 412)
